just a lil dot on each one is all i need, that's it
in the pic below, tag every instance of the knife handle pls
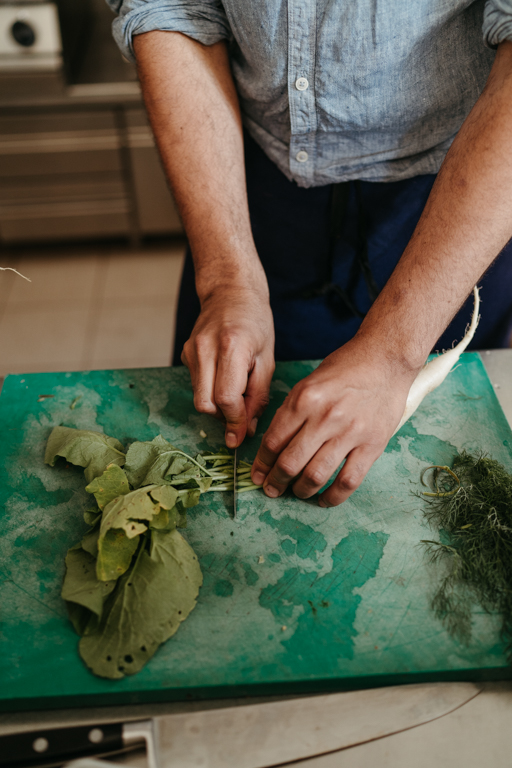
(58, 745)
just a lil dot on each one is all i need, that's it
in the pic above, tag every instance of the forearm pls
(193, 108)
(465, 224)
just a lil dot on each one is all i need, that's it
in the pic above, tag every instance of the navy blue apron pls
(327, 251)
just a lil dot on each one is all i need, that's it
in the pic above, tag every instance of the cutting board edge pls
(279, 688)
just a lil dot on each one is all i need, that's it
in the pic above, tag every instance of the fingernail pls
(258, 478)
(230, 439)
(252, 427)
(271, 491)
(322, 503)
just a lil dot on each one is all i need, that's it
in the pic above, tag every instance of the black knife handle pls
(58, 745)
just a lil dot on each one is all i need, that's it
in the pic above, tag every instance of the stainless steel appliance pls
(83, 173)
(29, 37)
(37, 36)
(77, 157)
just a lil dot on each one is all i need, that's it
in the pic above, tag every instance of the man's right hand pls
(230, 356)
(193, 107)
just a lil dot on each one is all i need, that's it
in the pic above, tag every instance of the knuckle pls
(203, 405)
(186, 350)
(201, 345)
(336, 454)
(313, 476)
(271, 444)
(229, 341)
(263, 399)
(352, 480)
(224, 400)
(337, 412)
(349, 483)
(262, 405)
(260, 466)
(308, 398)
(286, 467)
(350, 425)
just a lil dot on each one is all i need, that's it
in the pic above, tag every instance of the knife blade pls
(249, 735)
(235, 484)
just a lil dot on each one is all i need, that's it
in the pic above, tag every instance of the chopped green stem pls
(445, 547)
(242, 487)
(437, 470)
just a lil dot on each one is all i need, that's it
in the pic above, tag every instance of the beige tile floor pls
(88, 307)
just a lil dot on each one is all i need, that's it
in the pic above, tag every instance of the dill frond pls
(477, 517)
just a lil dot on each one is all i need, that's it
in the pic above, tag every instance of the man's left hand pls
(348, 408)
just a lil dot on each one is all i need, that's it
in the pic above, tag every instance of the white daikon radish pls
(435, 372)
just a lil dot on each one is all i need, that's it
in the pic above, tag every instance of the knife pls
(250, 735)
(235, 484)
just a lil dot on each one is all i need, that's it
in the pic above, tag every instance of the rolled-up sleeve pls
(497, 25)
(203, 21)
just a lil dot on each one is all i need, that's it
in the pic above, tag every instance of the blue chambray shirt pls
(334, 90)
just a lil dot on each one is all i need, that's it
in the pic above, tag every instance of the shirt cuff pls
(204, 21)
(497, 25)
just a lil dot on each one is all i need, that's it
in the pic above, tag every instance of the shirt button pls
(302, 84)
(302, 156)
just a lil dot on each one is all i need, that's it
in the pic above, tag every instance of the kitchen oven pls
(77, 158)
(42, 36)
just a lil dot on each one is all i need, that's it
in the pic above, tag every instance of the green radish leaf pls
(89, 542)
(82, 589)
(85, 448)
(80, 617)
(91, 516)
(158, 462)
(181, 515)
(123, 599)
(158, 471)
(165, 495)
(177, 517)
(177, 465)
(141, 456)
(124, 519)
(161, 521)
(189, 498)
(203, 483)
(111, 484)
(125, 511)
(146, 608)
(115, 552)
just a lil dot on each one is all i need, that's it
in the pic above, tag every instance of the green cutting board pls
(295, 597)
